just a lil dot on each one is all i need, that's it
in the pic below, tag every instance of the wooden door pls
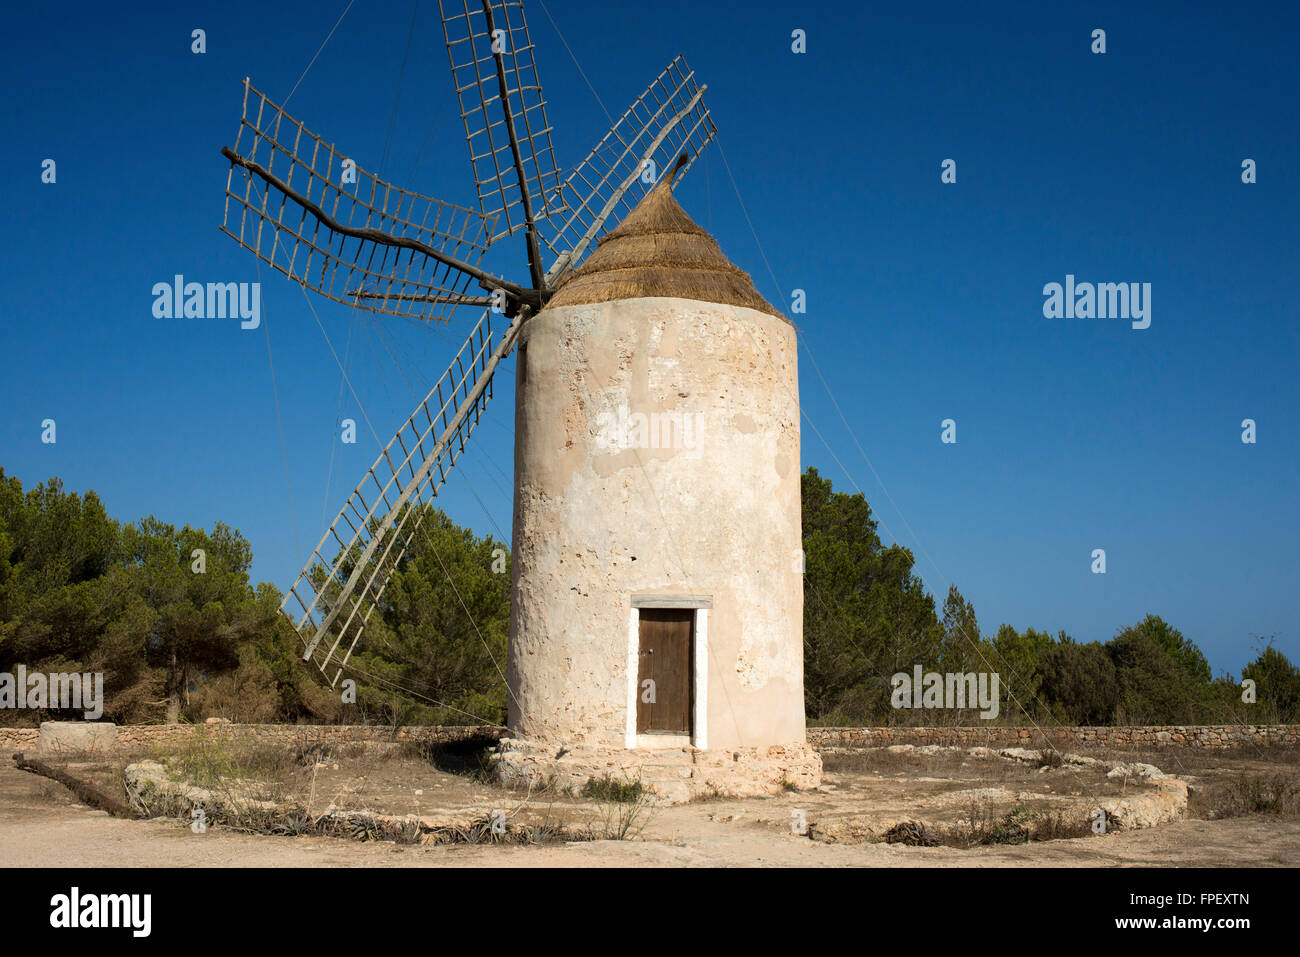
(665, 676)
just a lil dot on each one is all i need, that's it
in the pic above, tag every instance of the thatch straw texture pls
(659, 251)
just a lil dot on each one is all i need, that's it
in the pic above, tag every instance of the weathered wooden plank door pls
(665, 674)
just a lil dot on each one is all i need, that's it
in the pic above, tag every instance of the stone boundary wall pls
(143, 737)
(1134, 738)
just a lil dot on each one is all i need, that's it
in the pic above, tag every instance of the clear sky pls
(924, 299)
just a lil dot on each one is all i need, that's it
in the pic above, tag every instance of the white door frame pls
(700, 604)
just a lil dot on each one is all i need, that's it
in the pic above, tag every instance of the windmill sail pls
(343, 581)
(668, 120)
(500, 94)
(312, 213)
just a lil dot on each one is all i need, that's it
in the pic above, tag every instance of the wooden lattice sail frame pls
(318, 216)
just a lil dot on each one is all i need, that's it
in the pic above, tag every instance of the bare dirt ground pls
(41, 824)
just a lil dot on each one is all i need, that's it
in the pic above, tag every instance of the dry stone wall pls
(143, 737)
(1188, 736)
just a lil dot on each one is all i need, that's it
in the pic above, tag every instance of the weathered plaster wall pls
(594, 525)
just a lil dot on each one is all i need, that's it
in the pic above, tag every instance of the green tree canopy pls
(866, 614)
(1277, 686)
(1080, 683)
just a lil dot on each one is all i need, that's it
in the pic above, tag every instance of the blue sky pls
(924, 299)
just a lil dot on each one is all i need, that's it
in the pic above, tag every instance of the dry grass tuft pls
(1276, 794)
(911, 833)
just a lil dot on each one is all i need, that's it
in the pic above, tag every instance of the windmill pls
(657, 604)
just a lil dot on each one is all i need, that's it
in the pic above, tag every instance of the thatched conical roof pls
(658, 250)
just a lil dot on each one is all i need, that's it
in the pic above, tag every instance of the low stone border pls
(153, 793)
(1163, 799)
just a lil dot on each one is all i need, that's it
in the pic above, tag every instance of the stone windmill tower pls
(657, 617)
(657, 601)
